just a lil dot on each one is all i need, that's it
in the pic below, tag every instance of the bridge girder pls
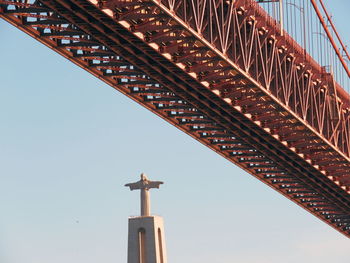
(154, 58)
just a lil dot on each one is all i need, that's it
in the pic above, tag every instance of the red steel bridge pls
(262, 83)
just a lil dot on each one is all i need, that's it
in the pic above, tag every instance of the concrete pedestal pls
(146, 242)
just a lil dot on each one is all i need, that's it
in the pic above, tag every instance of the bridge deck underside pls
(224, 108)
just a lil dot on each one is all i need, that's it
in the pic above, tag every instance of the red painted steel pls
(329, 35)
(222, 72)
(335, 30)
(267, 70)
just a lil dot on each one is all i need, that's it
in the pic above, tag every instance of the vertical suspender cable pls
(323, 23)
(335, 30)
(281, 16)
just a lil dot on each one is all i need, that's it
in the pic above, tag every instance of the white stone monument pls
(146, 242)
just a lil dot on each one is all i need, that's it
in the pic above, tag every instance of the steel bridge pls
(261, 83)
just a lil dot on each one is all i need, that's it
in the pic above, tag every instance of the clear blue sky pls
(68, 144)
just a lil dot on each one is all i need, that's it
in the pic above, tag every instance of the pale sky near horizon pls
(69, 143)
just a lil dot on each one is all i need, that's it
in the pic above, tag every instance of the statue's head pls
(144, 177)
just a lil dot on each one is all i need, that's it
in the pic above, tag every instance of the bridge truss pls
(221, 71)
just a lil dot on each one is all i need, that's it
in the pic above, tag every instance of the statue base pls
(146, 242)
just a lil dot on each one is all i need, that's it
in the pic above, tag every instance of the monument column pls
(146, 243)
